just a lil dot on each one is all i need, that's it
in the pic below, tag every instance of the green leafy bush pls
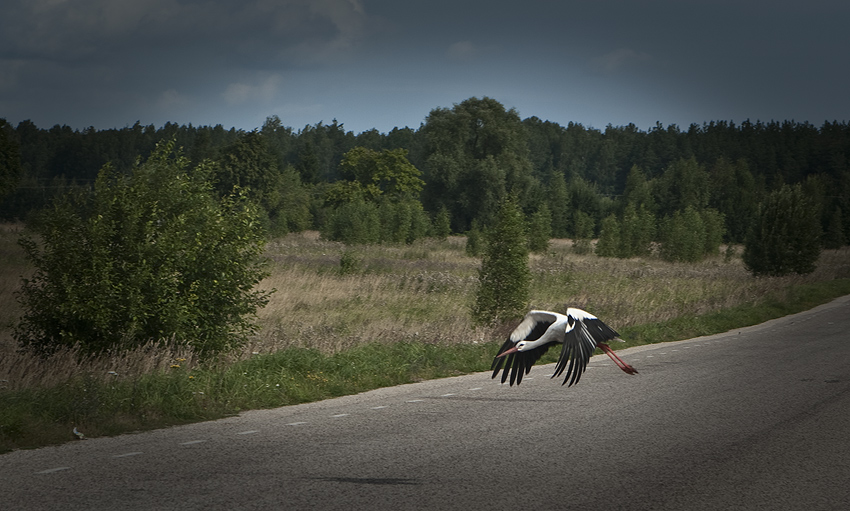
(155, 255)
(786, 235)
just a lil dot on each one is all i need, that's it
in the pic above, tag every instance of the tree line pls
(631, 187)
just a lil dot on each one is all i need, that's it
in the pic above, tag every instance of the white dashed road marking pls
(52, 470)
(193, 442)
(126, 455)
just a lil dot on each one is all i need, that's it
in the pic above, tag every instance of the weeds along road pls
(757, 418)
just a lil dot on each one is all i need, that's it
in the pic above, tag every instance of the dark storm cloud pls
(383, 63)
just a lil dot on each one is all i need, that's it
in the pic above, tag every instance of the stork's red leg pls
(617, 360)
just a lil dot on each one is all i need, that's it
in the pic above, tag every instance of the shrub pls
(786, 235)
(504, 276)
(151, 256)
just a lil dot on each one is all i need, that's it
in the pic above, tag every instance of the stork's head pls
(520, 346)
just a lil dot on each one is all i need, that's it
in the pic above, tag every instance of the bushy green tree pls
(504, 277)
(156, 255)
(353, 222)
(609, 237)
(442, 224)
(248, 164)
(540, 229)
(785, 237)
(714, 223)
(638, 191)
(402, 222)
(292, 213)
(377, 201)
(637, 232)
(684, 183)
(386, 173)
(583, 232)
(587, 207)
(476, 153)
(734, 194)
(683, 236)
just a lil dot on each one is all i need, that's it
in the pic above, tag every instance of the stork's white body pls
(578, 331)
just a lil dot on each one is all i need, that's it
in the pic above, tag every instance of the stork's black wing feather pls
(582, 336)
(517, 364)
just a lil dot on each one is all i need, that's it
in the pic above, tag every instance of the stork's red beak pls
(507, 352)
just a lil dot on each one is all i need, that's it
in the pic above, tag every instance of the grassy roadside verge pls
(36, 417)
(798, 298)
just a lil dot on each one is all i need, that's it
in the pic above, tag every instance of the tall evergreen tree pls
(504, 277)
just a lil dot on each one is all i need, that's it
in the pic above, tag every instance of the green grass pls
(36, 417)
(40, 416)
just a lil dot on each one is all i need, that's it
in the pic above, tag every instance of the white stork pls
(580, 332)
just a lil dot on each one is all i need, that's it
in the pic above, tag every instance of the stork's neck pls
(530, 345)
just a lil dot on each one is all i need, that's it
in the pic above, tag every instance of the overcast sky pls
(387, 63)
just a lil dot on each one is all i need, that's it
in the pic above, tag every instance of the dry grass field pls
(424, 291)
(419, 292)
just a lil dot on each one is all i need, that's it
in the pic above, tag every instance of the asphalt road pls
(757, 418)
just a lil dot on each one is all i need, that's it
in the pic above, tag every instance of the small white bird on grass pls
(580, 333)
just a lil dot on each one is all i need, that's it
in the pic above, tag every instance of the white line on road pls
(52, 470)
(296, 423)
(126, 454)
(193, 442)
(249, 432)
